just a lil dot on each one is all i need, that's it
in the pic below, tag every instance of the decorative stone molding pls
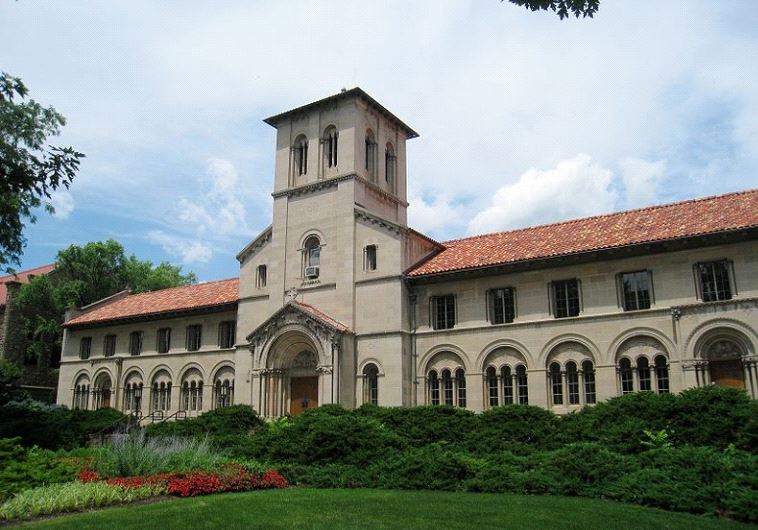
(256, 244)
(312, 187)
(325, 369)
(377, 221)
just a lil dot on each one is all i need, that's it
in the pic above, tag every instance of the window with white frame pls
(662, 374)
(443, 311)
(522, 385)
(588, 377)
(566, 298)
(371, 384)
(109, 345)
(194, 337)
(502, 305)
(636, 290)
(434, 388)
(460, 384)
(135, 342)
(226, 333)
(164, 340)
(311, 258)
(556, 384)
(572, 383)
(626, 376)
(492, 386)
(713, 279)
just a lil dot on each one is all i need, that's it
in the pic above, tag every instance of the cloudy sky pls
(524, 118)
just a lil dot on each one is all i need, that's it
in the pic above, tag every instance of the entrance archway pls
(725, 364)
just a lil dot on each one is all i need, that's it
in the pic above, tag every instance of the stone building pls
(40, 376)
(339, 301)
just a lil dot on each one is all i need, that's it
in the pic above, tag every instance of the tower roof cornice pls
(356, 93)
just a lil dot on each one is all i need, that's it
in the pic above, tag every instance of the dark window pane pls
(566, 296)
(714, 281)
(636, 286)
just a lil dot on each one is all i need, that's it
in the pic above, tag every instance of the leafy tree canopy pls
(30, 169)
(84, 275)
(564, 8)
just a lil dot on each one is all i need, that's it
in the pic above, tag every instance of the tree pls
(564, 8)
(84, 275)
(30, 169)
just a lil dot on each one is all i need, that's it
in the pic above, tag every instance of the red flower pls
(88, 476)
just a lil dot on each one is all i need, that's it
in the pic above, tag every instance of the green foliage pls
(421, 426)
(30, 169)
(435, 466)
(71, 497)
(514, 428)
(84, 275)
(563, 8)
(10, 375)
(657, 440)
(135, 455)
(222, 422)
(53, 427)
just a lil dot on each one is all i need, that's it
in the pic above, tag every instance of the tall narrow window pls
(714, 281)
(330, 147)
(625, 373)
(312, 258)
(556, 383)
(109, 345)
(566, 298)
(194, 337)
(390, 162)
(522, 385)
(492, 386)
(447, 387)
(662, 374)
(135, 342)
(371, 155)
(370, 258)
(460, 383)
(85, 347)
(260, 276)
(443, 311)
(502, 305)
(572, 383)
(588, 374)
(636, 290)
(507, 379)
(371, 384)
(434, 388)
(224, 393)
(164, 340)
(226, 332)
(643, 374)
(301, 155)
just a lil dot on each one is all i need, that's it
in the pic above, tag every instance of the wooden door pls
(727, 373)
(303, 394)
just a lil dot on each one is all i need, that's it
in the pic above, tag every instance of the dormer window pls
(311, 258)
(301, 155)
(390, 163)
(330, 146)
(370, 155)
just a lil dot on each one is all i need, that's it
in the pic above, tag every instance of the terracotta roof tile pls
(336, 324)
(203, 295)
(722, 213)
(23, 277)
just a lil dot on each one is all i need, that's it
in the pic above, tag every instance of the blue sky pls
(523, 118)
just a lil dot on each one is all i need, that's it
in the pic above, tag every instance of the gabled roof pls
(309, 311)
(344, 94)
(175, 300)
(697, 217)
(23, 277)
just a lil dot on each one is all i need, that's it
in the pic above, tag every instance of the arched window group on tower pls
(330, 146)
(300, 151)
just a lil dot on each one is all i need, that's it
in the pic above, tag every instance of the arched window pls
(492, 386)
(507, 377)
(301, 155)
(311, 258)
(434, 388)
(447, 387)
(625, 373)
(643, 373)
(460, 382)
(371, 384)
(224, 393)
(588, 374)
(390, 162)
(572, 383)
(371, 155)
(522, 385)
(192, 396)
(102, 393)
(161, 392)
(81, 393)
(662, 374)
(556, 384)
(330, 146)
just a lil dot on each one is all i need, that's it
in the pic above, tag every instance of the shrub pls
(519, 428)
(226, 421)
(70, 497)
(435, 467)
(135, 454)
(421, 426)
(328, 476)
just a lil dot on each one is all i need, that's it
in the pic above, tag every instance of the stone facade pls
(327, 312)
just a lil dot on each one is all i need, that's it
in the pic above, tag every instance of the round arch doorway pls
(303, 383)
(725, 364)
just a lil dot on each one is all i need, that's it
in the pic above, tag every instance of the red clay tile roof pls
(329, 321)
(23, 277)
(722, 213)
(190, 297)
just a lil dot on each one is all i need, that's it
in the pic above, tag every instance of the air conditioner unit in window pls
(311, 273)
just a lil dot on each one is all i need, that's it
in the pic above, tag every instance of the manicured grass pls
(360, 508)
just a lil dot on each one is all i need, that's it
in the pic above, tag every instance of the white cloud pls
(576, 187)
(642, 180)
(433, 217)
(63, 202)
(187, 250)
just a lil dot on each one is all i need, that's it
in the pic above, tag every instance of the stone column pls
(538, 389)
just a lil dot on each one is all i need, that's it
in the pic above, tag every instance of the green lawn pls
(333, 509)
